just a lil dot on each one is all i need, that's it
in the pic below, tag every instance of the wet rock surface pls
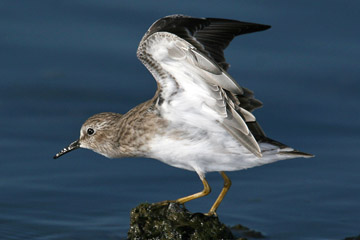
(174, 221)
(353, 238)
(245, 233)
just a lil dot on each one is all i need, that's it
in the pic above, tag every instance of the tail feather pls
(284, 149)
(297, 153)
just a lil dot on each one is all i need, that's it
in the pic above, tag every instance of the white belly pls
(204, 151)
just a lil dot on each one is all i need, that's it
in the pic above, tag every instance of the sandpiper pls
(200, 119)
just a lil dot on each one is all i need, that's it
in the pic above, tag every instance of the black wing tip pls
(260, 27)
(284, 149)
(298, 153)
(180, 24)
(263, 27)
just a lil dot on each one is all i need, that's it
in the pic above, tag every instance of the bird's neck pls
(137, 128)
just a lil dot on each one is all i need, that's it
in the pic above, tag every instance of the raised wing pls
(210, 36)
(185, 56)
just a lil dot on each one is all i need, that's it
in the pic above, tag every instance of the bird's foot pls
(211, 214)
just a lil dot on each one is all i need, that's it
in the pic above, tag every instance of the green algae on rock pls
(174, 221)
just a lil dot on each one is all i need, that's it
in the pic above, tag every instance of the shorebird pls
(200, 119)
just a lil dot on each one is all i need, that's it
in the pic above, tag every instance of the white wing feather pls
(189, 79)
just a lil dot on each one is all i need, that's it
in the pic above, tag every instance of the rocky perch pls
(353, 238)
(174, 221)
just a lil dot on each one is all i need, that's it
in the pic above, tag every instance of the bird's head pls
(98, 133)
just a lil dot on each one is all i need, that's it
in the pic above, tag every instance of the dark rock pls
(353, 238)
(174, 221)
(245, 233)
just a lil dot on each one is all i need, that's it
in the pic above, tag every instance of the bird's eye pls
(90, 131)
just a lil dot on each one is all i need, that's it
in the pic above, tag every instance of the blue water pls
(62, 61)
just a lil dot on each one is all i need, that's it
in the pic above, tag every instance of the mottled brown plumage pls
(128, 133)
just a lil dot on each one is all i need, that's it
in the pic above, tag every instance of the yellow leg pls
(227, 184)
(204, 192)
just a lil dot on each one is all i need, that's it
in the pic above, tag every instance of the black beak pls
(72, 146)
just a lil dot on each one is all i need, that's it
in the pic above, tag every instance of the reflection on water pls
(62, 62)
